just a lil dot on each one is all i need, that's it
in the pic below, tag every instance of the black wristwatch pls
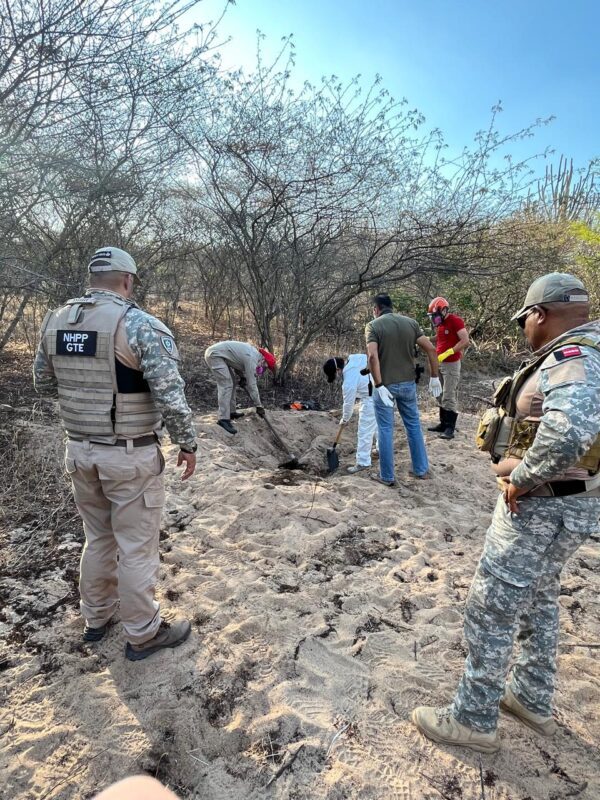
(188, 449)
(377, 385)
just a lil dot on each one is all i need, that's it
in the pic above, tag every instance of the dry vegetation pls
(265, 214)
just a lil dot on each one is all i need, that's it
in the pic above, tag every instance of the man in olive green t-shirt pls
(391, 340)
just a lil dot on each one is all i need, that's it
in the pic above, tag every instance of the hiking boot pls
(439, 725)
(545, 726)
(448, 433)
(169, 634)
(94, 634)
(442, 424)
(237, 414)
(357, 468)
(226, 425)
(380, 480)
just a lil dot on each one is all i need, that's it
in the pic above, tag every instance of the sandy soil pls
(324, 609)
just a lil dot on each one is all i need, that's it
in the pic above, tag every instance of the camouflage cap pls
(556, 287)
(112, 259)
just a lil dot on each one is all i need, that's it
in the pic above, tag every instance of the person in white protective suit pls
(355, 387)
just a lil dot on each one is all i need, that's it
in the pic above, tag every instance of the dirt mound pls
(307, 434)
(324, 609)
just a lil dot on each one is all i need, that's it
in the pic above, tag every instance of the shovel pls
(292, 462)
(333, 460)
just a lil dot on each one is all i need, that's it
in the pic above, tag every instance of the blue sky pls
(452, 59)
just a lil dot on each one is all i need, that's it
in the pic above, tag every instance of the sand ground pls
(324, 609)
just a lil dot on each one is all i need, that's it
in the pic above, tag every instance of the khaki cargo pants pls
(119, 493)
(226, 385)
(450, 374)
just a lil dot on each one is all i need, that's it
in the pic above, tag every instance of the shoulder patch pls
(168, 344)
(570, 351)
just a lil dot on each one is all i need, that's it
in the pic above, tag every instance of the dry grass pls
(40, 529)
(35, 496)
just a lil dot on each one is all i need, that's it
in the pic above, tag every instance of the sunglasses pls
(521, 321)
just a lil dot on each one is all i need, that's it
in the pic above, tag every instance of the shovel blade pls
(333, 460)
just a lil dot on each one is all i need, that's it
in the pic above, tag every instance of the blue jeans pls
(405, 395)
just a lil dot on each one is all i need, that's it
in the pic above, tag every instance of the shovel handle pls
(279, 440)
(338, 437)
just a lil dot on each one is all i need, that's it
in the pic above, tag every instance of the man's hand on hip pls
(190, 464)
(511, 494)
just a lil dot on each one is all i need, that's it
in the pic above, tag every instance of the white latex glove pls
(384, 394)
(435, 387)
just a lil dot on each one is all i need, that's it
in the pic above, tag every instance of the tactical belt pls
(560, 489)
(566, 488)
(141, 441)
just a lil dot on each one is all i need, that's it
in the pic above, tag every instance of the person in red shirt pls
(452, 340)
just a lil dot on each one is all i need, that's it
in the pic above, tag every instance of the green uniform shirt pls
(396, 336)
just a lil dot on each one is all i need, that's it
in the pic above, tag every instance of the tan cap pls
(556, 287)
(112, 259)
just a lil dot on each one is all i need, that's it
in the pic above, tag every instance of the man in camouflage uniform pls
(115, 370)
(549, 505)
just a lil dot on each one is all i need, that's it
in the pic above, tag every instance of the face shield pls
(436, 318)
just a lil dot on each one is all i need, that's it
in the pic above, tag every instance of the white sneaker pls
(358, 468)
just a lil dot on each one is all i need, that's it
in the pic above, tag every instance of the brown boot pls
(169, 634)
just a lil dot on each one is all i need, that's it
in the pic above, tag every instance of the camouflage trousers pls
(515, 593)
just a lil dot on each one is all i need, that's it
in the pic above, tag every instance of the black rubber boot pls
(226, 425)
(443, 423)
(451, 417)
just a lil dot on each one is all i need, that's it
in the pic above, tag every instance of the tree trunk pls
(15, 320)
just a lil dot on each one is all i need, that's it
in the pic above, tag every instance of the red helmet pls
(438, 304)
(269, 359)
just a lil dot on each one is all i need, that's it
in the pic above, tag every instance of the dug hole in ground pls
(324, 609)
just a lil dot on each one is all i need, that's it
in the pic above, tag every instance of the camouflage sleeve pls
(44, 379)
(155, 347)
(570, 422)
